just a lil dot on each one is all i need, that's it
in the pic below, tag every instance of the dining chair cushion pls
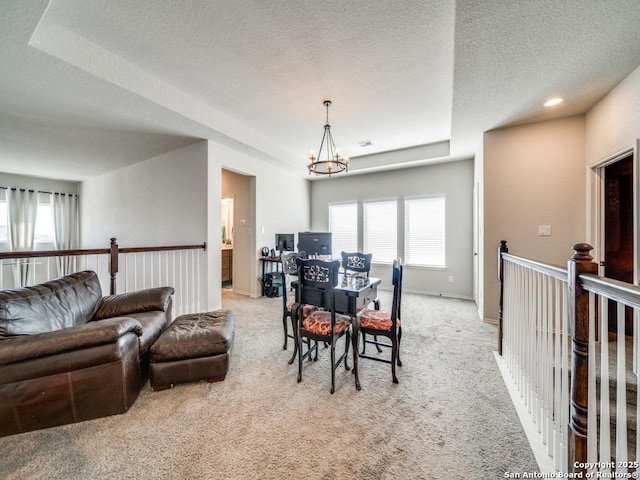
(319, 323)
(376, 319)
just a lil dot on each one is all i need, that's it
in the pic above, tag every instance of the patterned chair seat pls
(375, 319)
(319, 323)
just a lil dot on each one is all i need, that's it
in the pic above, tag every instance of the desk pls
(274, 271)
(350, 296)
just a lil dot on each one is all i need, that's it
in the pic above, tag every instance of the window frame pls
(334, 252)
(394, 244)
(407, 236)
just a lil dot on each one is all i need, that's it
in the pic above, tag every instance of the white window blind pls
(380, 230)
(343, 225)
(424, 228)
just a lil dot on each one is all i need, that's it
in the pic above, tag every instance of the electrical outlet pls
(450, 278)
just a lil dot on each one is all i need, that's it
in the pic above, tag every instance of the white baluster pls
(592, 413)
(621, 393)
(605, 410)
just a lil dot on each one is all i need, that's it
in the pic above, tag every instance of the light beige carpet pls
(449, 417)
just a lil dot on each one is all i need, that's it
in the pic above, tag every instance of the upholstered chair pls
(317, 280)
(384, 323)
(289, 267)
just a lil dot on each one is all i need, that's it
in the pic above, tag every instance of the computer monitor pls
(285, 242)
(315, 243)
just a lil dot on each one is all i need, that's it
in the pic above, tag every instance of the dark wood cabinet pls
(227, 265)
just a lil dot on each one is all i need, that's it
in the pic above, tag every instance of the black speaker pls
(272, 285)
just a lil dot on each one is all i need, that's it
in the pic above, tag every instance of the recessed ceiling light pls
(552, 102)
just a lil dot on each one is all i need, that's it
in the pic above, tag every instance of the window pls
(424, 222)
(343, 225)
(4, 230)
(44, 232)
(380, 230)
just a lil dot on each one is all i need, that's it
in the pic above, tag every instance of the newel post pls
(113, 264)
(502, 248)
(581, 263)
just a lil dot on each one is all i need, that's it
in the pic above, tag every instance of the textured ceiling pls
(88, 86)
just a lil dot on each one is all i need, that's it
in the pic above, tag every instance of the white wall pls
(613, 124)
(174, 199)
(454, 179)
(157, 202)
(281, 205)
(160, 201)
(533, 175)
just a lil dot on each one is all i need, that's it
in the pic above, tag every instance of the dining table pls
(352, 293)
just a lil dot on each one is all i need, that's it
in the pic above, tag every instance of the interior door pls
(619, 251)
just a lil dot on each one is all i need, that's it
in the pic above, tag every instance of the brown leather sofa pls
(68, 354)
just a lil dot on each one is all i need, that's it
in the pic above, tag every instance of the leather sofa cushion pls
(153, 324)
(61, 303)
(195, 335)
(147, 300)
(25, 347)
(69, 360)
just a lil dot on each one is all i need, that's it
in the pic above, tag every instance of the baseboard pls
(432, 294)
(490, 321)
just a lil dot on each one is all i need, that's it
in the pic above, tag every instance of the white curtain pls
(66, 227)
(23, 207)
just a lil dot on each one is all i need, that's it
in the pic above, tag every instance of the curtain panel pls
(22, 206)
(66, 229)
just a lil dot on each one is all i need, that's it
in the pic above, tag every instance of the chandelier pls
(333, 162)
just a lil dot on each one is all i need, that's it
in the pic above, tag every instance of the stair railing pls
(577, 397)
(120, 270)
(534, 341)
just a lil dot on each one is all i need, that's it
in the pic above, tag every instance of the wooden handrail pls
(202, 246)
(616, 290)
(53, 253)
(113, 251)
(550, 270)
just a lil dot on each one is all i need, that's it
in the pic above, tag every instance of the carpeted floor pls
(449, 417)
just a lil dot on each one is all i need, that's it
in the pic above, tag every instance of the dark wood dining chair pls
(359, 264)
(289, 267)
(317, 280)
(387, 324)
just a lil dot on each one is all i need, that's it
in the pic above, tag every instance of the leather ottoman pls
(194, 347)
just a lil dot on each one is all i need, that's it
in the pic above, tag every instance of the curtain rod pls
(37, 191)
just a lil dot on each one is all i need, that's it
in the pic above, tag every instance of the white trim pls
(595, 200)
(545, 462)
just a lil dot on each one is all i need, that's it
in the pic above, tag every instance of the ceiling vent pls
(365, 143)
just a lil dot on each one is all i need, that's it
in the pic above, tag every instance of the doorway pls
(227, 226)
(243, 261)
(618, 223)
